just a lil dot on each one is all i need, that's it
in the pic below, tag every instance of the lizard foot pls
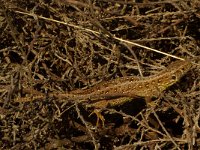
(150, 103)
(99, 117)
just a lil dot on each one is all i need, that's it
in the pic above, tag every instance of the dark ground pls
(63, 45)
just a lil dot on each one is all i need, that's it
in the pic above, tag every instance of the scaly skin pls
(120, 90)
(131, 86)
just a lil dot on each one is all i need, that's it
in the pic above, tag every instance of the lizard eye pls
(173, 77)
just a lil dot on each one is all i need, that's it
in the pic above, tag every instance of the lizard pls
(130, 86)
(123, 89)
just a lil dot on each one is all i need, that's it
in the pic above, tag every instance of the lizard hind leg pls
(97, 112)
(99, 105)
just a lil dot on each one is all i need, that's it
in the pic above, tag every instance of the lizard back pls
(133, 86)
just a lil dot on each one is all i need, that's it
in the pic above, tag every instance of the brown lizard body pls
(120, 90)
(130, 86)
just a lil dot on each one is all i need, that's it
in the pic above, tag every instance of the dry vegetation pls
(63, 45)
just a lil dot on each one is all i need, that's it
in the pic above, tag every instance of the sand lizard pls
(116, 91)
(121, 90)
